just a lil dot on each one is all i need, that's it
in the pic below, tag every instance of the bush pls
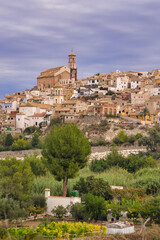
(95, 207)
(37, 166)
(149, 182)
(131, 163)
(11, 209)
(8, 140)
(151, 208)
(19, 144)
(98, 165)
(30, 130)
(55, 121)
(59, 211)
(35, 140)
(2, 148)
(38, 200)
(38, 203)
(78, 211)
(95, 186)
(129, 193)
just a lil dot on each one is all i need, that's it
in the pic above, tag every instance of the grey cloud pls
(105, 35)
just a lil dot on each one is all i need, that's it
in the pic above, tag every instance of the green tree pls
(95, 186)
(145, 112)
(19, 144)
(9, 140)
(78, 211)
(36, 163)
(65, 152)
(151, 209)
(95, 206)
(152, 142)
(12, 209)
(16, 178)
(35, 140)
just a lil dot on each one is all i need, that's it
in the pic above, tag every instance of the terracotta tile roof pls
(34, 104)
(20, 113)
(38, 115)
(49, 72)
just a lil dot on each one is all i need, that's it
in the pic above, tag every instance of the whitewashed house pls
(55, 201)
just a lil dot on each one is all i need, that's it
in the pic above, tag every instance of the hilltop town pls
(58, 93)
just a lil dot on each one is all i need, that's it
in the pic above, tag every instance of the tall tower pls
(72, 66)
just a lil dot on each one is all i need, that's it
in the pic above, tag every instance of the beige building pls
(50, 77)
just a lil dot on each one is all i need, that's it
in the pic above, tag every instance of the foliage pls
(131, 163)
(98, 165)
(148, 178)
(123, 138)
(55, 121)
(36, 163)
(35, 140)
(78, 211)
(9, 140)
(145, 112)
(30, 130)
(38, 200)
(65, 152)
(133, 211)
(19, 144)
(151, 208)
(12, 209)
(3, 233)
(152, 142)
(60, 230)
(16, 178)
(59, 211)
(95, 207)
(129, 193)
(110, 93)
(2, 148)
(95, 186)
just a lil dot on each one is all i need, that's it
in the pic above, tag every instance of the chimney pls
(47, 192)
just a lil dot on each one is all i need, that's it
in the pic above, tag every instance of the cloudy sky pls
(106, 35)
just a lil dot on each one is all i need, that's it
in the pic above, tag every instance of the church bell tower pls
(72, 66)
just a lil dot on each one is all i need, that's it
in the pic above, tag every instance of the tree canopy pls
(65, 152)
(15, 178)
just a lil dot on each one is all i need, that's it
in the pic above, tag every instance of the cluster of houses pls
(58, 93)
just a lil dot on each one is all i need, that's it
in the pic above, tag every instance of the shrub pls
(78, 211)
(19, 144)
(59, 211)
(11, 209)
(55, 121)
(2, 148)
(8, 140)
(151, 208)
(37, 166)
(38, 200)
(30, 130)
(95, 186)
(95, 207)
(35, 140)
(129, 193)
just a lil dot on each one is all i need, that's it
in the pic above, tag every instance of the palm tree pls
(145, 112)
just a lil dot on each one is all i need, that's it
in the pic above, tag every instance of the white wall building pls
(122, 83)
(135, 83)
(55, 201)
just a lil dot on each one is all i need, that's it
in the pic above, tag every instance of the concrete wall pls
(54, 201)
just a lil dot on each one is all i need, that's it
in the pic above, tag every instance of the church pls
(64, 75)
